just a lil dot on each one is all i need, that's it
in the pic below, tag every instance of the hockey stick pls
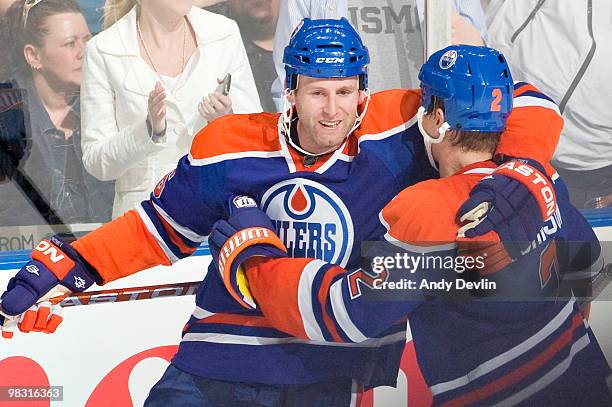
(600, 283)
(117, 295)
(129, 294)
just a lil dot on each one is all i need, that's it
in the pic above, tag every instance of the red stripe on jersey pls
(174, 237)
(351, 148)
(519, 374)
(298, 161)
(323, 294)
(419, 394)
(281, 304)
(235, 319)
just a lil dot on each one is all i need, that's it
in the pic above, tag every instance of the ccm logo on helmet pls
(329, 60)
(49, 250)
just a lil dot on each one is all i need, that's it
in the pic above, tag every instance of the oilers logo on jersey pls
(311, 220)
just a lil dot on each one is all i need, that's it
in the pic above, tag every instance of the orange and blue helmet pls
(326, 48)
(475, 85)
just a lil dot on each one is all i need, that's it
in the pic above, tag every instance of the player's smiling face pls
(327, 109)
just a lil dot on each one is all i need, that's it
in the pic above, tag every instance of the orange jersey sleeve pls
(315, 300)
(533, 128)
(121, 247)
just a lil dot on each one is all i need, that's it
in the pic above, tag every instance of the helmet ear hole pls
(363, 82)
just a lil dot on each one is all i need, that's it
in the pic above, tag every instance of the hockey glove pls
(246, 233)
(56, 270)
(507, 209)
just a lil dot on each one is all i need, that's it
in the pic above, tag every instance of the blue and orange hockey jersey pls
(323, 211)
(472, 351)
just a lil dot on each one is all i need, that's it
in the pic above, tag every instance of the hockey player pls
(471, 352)
(322, 170)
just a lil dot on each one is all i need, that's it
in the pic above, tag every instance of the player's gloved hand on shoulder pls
(248, 232)
(32, 295)
(510, 206)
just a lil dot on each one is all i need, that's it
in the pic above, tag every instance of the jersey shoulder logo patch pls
(159, 188)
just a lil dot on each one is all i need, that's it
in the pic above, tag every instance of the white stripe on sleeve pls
(341, 314)
(312, 328)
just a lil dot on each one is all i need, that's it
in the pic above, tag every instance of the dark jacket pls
(50, 170)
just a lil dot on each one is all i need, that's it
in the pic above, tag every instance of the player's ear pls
(362, 96)
(291, 96)
(439, 116)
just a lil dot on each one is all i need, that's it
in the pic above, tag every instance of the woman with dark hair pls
(42, 44)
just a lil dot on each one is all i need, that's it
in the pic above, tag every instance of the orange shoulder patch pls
(531, 132)
(237, 133)
(426, 212)
(389, 109)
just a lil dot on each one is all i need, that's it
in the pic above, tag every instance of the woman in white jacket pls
(148, 87)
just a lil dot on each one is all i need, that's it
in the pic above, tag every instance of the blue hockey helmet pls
(474, 83)
(326, 49)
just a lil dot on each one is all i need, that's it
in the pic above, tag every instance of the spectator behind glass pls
(149, 83)
(391, 29)
(42, 55)
(563, 47)
(257, 21)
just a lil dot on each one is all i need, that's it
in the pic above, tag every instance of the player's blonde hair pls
(115, 9)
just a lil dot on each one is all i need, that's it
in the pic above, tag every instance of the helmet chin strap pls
(428, 140)
(288, 113)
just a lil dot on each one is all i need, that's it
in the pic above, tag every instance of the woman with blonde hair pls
(149, 85)
(41, 55)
